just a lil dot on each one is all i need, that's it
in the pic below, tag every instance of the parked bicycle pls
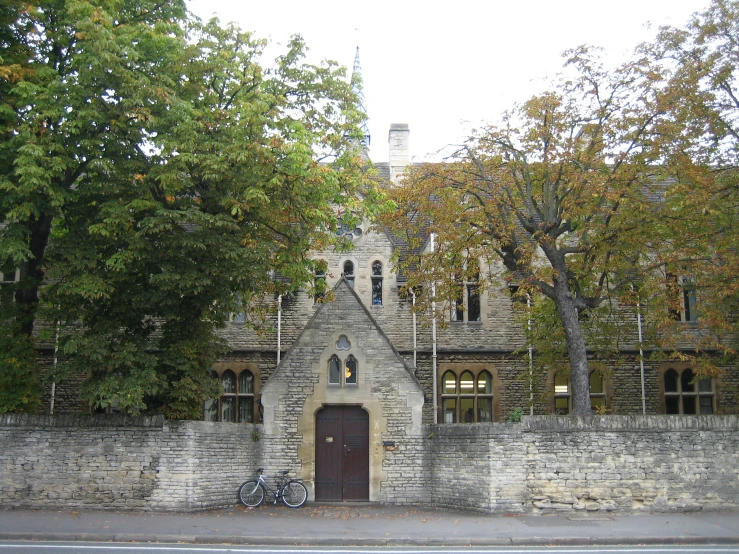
(292, 493)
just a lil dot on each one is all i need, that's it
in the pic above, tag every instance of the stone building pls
(346, 389)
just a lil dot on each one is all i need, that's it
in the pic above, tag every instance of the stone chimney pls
(397, 140)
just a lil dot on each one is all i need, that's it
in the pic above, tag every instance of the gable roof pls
(344, 288)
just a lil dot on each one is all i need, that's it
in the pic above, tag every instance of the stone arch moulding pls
(359, 395)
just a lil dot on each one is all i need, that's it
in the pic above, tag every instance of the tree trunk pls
(576, 349)
(32, 274)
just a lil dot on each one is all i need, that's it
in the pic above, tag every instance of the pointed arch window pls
(377, 283)
(238, 402)
(319, 281)
(685, 394)
(342, 373)
(349, 272)
(563, 392)
(467, 396)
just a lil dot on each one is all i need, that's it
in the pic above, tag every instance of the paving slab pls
(368, 525)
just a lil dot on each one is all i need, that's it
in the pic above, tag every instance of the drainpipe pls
(415, 348)
(531, 357)
(641, 359)
(56, 358)
(279, 327)
(433, 341)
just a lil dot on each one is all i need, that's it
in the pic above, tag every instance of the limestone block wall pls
(477, 467)
(632, 463)
(123, 463)
(545, 464)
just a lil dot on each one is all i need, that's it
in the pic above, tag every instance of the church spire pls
(357, 88)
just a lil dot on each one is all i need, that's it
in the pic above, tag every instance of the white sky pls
(446, 66)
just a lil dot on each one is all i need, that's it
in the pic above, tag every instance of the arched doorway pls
(342, 454)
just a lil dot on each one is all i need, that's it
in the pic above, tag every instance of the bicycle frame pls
(276, 494)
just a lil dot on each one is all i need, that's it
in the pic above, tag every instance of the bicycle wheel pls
(294, 494)
(251, 494)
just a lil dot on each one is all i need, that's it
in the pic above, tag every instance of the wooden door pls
(342, 454)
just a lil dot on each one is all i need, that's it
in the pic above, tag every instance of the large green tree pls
(175, 174)
(558, 194)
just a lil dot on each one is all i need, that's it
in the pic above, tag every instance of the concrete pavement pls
(369, 525)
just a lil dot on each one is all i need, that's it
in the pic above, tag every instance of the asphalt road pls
(21, 547)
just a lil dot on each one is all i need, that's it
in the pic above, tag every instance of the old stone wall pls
(478, 467)
(543, 464)
(632, 463)
(123, 463)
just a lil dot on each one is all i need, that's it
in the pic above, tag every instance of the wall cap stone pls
(81, 420)
(628, 423)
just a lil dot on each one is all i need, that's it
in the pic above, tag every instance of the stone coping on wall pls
(615, 423)
(81, 420)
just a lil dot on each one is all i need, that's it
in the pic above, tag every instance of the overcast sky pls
(443, 67)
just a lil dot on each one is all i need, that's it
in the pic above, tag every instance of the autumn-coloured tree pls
(560, 194)
(697, 67)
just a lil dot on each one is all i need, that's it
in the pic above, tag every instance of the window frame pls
(320, 273)
(220, 370)
(681, 396)
(349, 276)
(461, 398)
(461, 308)
(343, 380)
(566, 395)
(377, 280)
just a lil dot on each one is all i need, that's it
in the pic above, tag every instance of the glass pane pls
(334, 369)
(484, 409)
(351, 371)
(561, 384)
(229, 382)
(672, 405)
(467, 409)
(376, 291)
(246, 382)
(689, 405)
(377, 269)
(671, 381)
(457, 313)
(449, 384)
(706, 403)
(484, 383)
(449, 407)
(597, 402)
(210, 410)
(246, 409)
(689, 304)
(705, 385)
(596, 383)
(467, 383)
(561, 406)
(228, 408)
(686, 381)
(343, 343)
(473, 303)
(348, 269)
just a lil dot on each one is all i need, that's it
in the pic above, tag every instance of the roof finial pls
(357, 87)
